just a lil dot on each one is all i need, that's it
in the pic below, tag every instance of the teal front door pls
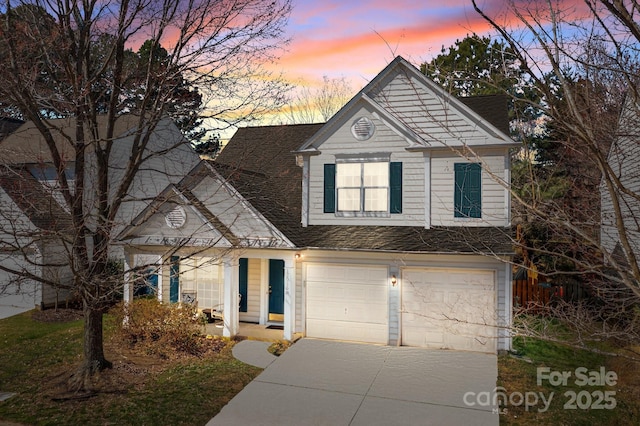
(276, 290)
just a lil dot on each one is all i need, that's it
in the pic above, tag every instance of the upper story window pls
(468, 190)
(48, 173)
(363, 187)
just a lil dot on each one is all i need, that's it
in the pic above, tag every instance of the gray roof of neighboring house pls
(259, 162)
(34, 200)
(8, 126)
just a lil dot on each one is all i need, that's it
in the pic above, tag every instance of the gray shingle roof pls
(492, 108)
(8, 126)
(259, 163)
(34, 200)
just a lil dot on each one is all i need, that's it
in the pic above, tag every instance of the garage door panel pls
(450, 308)
(347, 302)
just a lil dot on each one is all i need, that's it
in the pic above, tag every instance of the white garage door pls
(347, 303)
(449, 308)
(15, 298)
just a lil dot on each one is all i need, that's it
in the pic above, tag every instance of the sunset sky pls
(357, 39)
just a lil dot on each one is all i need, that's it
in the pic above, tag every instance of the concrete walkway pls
(338, 383)
(254, 352)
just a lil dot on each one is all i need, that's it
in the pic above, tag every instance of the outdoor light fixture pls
(298, 256)
(394, 280)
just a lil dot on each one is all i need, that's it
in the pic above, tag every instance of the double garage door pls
(440, 308)
(17, 298)
(347, 302)
(449, 309)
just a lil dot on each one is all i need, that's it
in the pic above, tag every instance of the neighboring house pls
(620, 202)
(388, 224)
(35, 225)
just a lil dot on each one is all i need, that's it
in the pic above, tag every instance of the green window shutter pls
(329, 188)
(243, 282)
(468, 190)
(395, 187)
(475, 190)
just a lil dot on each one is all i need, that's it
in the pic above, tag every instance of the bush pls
(158, 327)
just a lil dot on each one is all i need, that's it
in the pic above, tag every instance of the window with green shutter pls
(468, 190)
(363, 188)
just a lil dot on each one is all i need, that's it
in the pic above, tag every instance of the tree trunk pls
(94, 360)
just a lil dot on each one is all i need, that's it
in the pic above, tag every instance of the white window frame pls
(362, 160)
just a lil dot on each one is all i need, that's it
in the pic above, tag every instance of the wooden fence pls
(533, 294)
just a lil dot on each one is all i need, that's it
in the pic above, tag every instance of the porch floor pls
(249, 330)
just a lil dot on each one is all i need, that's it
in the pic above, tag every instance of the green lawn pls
(142, 390)
(580, 397)
(35, 357)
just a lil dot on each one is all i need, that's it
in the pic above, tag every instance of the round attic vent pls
(176, 217)
(362, 129)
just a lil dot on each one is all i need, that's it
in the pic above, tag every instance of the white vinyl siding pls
(623, 159)
(432, 117)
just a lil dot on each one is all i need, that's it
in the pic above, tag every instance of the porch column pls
(128, 278)
(289, 297)
(231, 292)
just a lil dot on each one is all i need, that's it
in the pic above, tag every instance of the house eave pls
(413, 252)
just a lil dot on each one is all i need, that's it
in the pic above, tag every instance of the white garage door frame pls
(457, 335)
(347, 302)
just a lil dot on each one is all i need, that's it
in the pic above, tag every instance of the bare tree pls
(581, 198)
(313, 105)
(54, 74)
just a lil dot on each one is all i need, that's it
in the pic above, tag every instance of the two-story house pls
(388, 224)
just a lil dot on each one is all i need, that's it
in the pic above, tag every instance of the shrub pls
(158, 327)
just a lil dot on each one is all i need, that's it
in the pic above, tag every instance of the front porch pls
(251, 331)
(247, 290)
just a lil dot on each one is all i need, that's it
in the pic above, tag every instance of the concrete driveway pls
(319, 382)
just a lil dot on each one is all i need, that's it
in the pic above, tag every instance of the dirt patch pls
(57, 315)
(133, 368)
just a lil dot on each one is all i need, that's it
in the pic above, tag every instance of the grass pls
(143, 389)
(35, 357)
(518, 375)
